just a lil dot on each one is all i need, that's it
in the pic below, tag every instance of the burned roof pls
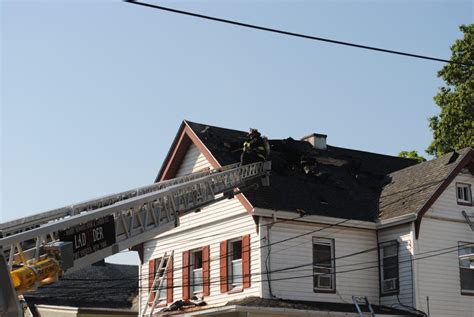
(335, 182)
(102, 285)
(409, 189)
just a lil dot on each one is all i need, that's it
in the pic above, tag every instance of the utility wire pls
(402, 259)
(217, 280)
(300, 35)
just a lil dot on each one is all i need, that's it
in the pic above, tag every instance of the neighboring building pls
(333, 223)
(102, 289)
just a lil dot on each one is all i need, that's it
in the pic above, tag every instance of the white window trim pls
(464, 200)
(468, 255)
(192, 273)
(382, 278)
(163, 293)
(231, 261)
(330, 243)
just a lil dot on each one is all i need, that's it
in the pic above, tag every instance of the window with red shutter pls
(169, 281)
(185, 275)
(206, 271)
(246, 261)
(151, 278)
(223, 267)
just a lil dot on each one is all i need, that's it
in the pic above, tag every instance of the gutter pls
(384, 223)
(273, 311)
(359, 224)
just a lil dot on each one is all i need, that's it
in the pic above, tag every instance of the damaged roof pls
(102, 285)
(411, 188)
(335, 182)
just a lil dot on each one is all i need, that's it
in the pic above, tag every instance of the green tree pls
(412, 155)
(453, 128)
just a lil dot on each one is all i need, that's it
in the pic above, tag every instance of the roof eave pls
(468, 158)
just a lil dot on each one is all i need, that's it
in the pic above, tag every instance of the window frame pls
(381, 253)
(192, 283)
(331, 243)
(230, 262)
(471, 245)
(461, 201)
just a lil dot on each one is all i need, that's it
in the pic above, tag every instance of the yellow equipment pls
(30, 276)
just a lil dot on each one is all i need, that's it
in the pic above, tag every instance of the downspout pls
(378, 263)
(267, 260)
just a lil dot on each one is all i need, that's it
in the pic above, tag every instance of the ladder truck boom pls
(37, 250)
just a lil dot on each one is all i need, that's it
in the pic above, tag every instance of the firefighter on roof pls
(256, 148)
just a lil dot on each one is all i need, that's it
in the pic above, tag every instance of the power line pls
(300, 35)
(402, 259)
(217, 279)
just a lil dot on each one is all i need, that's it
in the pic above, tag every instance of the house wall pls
(404, 235)
(297, 283)
(438, 277)
(218, 222)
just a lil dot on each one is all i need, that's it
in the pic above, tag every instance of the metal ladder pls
(468, 219)
(131, 218)
(137, 215)
(359, 300)
(157, 285)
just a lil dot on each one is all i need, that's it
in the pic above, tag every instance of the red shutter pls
(151, 278)
(169, 281)
(246, 261)
(223, 267)
(206, 289)
(185, 268)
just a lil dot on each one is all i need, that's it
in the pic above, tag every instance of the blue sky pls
(93, 92)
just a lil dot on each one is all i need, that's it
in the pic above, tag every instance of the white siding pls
(297, 284)
(446, 205)
(193, 161)
(219, 222)
(404, 235)
(438, 277)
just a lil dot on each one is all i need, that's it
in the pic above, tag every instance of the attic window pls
(463, 194)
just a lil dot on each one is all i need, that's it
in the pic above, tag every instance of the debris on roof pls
(334, 182)
(184, 304)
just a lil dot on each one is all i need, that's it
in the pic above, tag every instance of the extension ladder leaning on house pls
(37, 250)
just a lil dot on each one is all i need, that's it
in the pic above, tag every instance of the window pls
(161, 272)
(196, 272)
(323, 265)
(389, 267)
(466, 267)
(463, 194)
(235, 263)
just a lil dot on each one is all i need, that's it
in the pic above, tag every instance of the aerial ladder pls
(39, 249)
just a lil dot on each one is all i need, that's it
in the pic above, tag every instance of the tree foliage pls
(412, 155)
(453, 128)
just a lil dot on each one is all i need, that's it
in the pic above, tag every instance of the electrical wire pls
(299, 35)
(436, 252)
(217, 280)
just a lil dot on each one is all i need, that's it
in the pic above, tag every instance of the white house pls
(334, 223)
